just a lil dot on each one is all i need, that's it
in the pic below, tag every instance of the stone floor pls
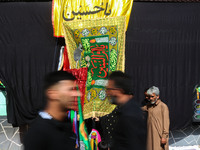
(9, 136)
(190, 136)
(186, 137)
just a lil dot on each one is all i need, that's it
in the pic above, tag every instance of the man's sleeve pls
(144, 108)
(166, 121)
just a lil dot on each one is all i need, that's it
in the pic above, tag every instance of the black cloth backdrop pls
(28, 51)
(162, 49)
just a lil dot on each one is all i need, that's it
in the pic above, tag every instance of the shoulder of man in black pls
(37, 135)
(49, 134)
(131, 108)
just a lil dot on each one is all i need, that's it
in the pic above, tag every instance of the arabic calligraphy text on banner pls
(68, 10)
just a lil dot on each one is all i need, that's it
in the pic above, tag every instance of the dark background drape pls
(162, 49)
(28, 51)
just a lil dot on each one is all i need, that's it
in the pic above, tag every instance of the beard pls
(152, 103)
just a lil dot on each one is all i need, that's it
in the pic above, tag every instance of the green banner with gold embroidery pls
(102, 46)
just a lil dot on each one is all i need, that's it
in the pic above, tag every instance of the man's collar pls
(158, 101)
(45, 115)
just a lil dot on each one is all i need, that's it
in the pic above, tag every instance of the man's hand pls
(95, 118)
(163, 141)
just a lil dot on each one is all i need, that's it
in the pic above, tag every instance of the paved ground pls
(9, 137)
(186, 137)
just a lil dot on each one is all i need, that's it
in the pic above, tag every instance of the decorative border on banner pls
(89, 112)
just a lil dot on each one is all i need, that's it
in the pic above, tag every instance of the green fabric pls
(198, 89)
(83, 134)
(72, 116)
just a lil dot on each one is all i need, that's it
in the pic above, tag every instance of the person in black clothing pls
(144, 103)
(146, 98)
(52, 130)
(107, 124)
(130, 129)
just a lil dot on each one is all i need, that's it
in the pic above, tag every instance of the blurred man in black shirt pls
(52, 130)
(130, 130)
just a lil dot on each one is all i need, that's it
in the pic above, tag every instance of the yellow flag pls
(68, 10)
